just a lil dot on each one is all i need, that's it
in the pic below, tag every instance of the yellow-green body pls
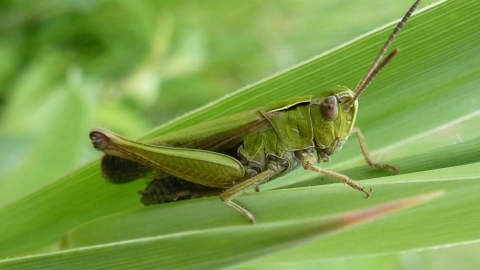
(224, 152)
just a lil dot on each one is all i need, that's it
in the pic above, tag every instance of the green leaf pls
(235, 244)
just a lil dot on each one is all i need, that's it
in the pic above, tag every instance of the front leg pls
(308, 163)
(366, 154)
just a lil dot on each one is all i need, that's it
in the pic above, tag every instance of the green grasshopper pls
(233, 154)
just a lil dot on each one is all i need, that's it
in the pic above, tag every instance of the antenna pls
(374, 69)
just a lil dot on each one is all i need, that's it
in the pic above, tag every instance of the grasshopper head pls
(335, 115)
(332, 121)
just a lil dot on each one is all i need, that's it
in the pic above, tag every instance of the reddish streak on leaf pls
(360, 216)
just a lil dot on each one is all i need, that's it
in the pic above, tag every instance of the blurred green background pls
(130, 66)
(68, 66)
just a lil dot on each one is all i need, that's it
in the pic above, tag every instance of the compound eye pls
(329, 108)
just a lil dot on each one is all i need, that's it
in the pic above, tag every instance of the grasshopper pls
(233, 154)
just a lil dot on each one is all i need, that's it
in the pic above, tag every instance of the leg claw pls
(367, 193)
